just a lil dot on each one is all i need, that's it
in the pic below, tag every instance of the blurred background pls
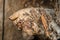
(11, 6)
(1, 13)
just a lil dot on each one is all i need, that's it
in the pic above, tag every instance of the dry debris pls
(36, 21)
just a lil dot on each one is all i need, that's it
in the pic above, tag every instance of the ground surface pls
(10, 31)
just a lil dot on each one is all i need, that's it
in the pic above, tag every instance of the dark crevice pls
(40, 37)
(3, 19)
(58, 39)
(36, 37)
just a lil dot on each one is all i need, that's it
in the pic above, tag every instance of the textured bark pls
(10, 32)
(1, 16)
(11, 6)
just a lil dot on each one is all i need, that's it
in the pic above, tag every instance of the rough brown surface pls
(1, 13)
(10, 32)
